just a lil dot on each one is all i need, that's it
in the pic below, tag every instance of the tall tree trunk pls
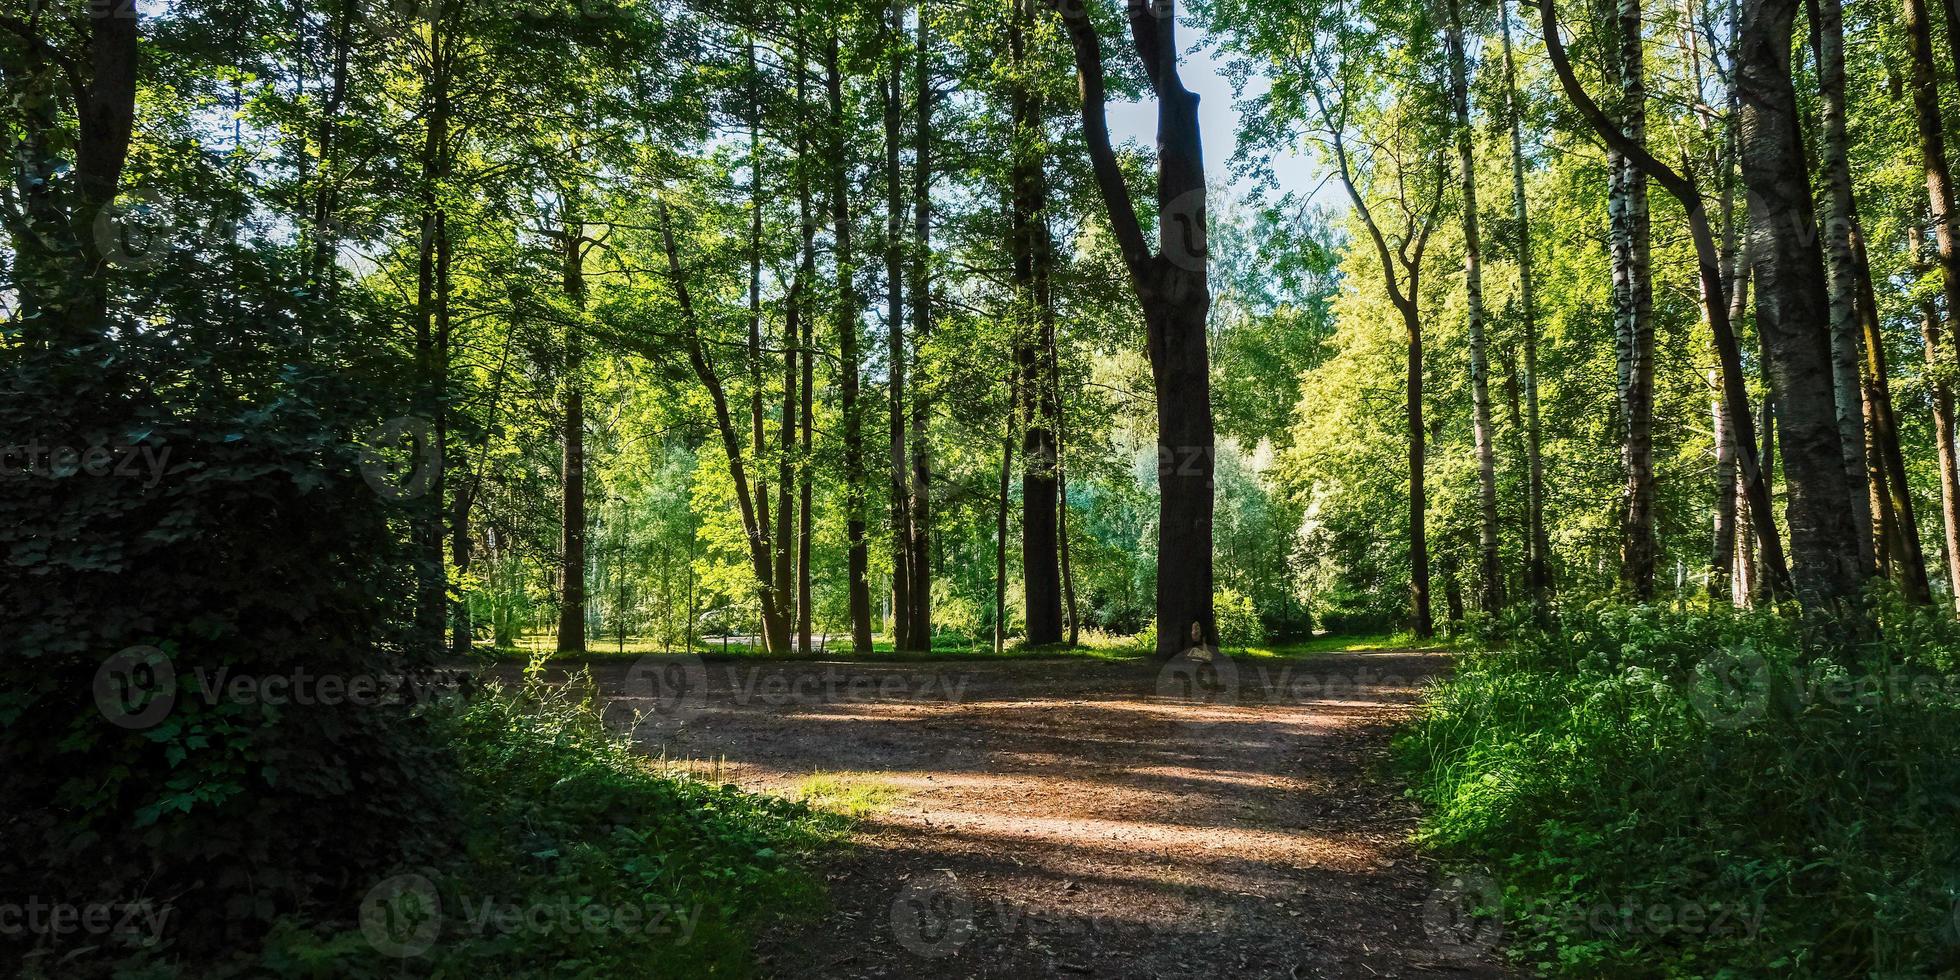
(430, 326)
(1827, 41)
(325, 191)
(1491, 566)
(1940, 196)
(571, 555)
(1892, 490)
(1035, 325)
(848, 308)
(920, 522)
(775, 635)
(1171, 287)
(1538, 565)
(900, 483)
(1061, 483)
(806, 388)
(1792, 311)
(1937, 354)
(1000, 520)
(1633, 304)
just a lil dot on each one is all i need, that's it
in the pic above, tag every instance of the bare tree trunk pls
(431, 318)
(806, 390)
(900, 483)
(1793, 311)
(920, 523)
(1894, 492)
(1827, 41)
(847, 355)
(1633, 305)
(1943, 438)
(1538, 567)
(775, 633)
(1714, 299)
(572, 525)
(1000, 522)
(1040, 560)
(1491, 566)
(1171, 287)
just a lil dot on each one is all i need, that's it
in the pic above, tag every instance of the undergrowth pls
(1667, 793)
(576, 857)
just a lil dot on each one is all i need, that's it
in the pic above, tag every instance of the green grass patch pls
(579, 858)
(1662, 793)
(851, 795)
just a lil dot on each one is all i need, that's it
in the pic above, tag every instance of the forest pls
(933, 488)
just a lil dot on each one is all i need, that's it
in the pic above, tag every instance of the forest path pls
(1084, 818)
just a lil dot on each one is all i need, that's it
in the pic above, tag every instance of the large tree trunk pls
(1937, 353)
(1171, 287)
(806, 388)
(1034, 329)
(900, 483)
(431, 320)
(571, 538)
(1793, 311)
(848, 305)
(1886, 461)
(1633, 305)
(1538, 565)
(920, 523)
(1000, 518)
(1491, 566)
(1424, 621)
(1827, 39)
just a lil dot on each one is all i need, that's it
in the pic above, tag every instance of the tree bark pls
(1171, 287)
(1633, 304)
(920, 523)
(572, 524)
(1034, 329)
(848, 307)
(1792, 311)
(1827, 40)
(1491, 566)
(431, 319)
(900, 482)
(1000, 521)
(1893, 491)
(1538, 564)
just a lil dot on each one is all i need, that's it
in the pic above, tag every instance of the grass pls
(580, 857)
(851, 795)
(1689, 794)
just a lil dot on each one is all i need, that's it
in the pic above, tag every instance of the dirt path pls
(1086, 819)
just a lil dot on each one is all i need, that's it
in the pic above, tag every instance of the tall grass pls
(1660, 793)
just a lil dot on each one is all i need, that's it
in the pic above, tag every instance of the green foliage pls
(580, 857)
(1685, 794)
